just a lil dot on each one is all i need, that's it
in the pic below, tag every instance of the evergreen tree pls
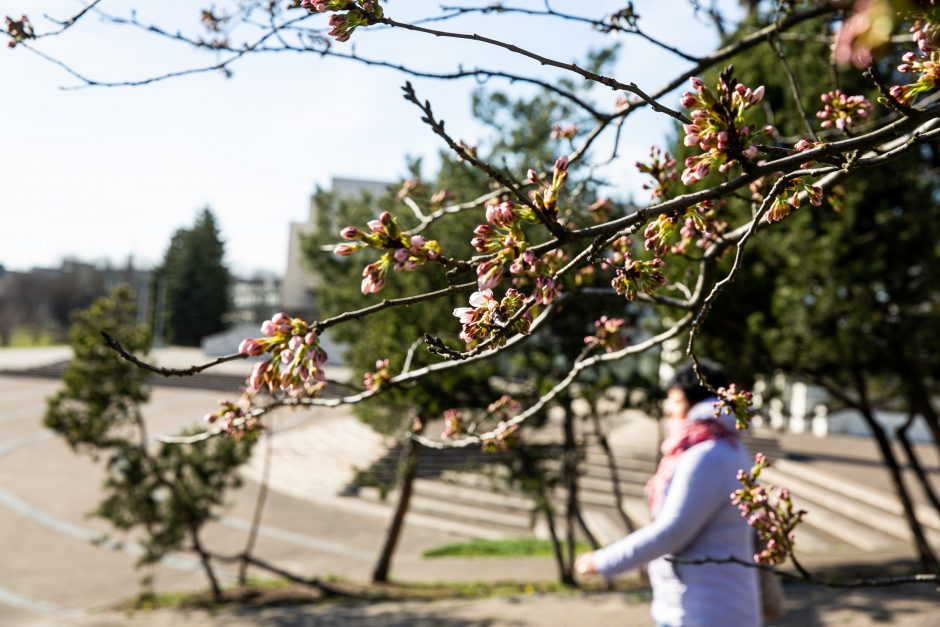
(193, 283)
(167, 493)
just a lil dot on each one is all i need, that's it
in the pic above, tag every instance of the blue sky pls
(104, 173)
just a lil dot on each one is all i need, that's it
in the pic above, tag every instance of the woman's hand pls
(584, 565)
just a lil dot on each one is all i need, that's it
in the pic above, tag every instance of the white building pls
(299, 283)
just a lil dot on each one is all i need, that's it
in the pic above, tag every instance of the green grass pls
(29, 337)
(514, 547)
(277, 591)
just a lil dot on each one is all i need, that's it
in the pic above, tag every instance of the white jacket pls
(696, 520)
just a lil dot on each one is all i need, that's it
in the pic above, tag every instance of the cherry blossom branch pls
(438, 127)
(561, 386)
(549, 12)
(394, 302)
(806, 576)
(117, 347)
(571, 67)
(67, 24)
(777, 47)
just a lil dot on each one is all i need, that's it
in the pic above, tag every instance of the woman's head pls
(684, 389)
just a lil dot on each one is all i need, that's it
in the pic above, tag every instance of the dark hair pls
(685, 380)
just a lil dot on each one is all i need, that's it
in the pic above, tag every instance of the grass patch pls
(32, 337)
(512, 547)
(275, 591)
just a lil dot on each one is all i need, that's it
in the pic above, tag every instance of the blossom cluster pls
(636, 276)
(503, 407)
(700, 218)
(404, 253)
(296, 360)
(925, 61)
(842, 111)
(867, 27)
(348, 14)
(719, 127)
(546, 198)
(737, 403)
(789, 198)
(662, 167)
(503, 235)
(542, 271)
(564, 132)
(235, 419)
(486, 314)
(19, 30)
(454, 426)
(769, 512)
(609, 334)
(504, 437)
(375, 381)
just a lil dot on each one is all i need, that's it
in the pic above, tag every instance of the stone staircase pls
(468, 488)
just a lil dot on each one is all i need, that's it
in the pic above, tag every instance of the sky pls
(107, 173)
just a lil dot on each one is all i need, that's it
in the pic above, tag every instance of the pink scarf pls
(683, 436)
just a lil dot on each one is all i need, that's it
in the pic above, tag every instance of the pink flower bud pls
(310, 338)
(561, 163)
(344, 250)
(758, 95)
(350, 232)
(533, 176)
(376, 226)
(249, 346)
(268, 328)
(697, 83)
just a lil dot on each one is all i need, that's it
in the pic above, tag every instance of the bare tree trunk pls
(901, 434)
(923, 401)
(531, 471)
(206, 563)
(259, 507)
(570, 466)
(924, 552)
(614, 472)
(408, 469)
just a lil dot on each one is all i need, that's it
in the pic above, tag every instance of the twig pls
(117, 347)
(895, 580)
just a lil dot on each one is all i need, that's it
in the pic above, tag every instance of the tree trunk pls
(570, 466)
(614, 473)
(259, 508)
(924, 552)
(409, 469)
(531, 471)
(901, 434)
(206, 563)
(923, 401)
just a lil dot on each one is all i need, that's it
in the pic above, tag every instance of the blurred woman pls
(693, 517)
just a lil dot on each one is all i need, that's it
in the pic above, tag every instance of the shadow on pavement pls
(385, 615)
(907, 606)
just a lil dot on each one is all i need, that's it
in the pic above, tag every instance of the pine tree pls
(194, 283)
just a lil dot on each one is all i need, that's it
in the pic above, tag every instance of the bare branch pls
(117, 347)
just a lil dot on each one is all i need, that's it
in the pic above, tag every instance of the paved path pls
(808, 607)
(51, 573)
(50, 569)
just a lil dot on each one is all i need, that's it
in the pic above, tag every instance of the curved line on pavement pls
(59, 525)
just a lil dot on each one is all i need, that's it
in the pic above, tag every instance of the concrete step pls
(602, 471)
(470, 515)
(865, 494)
(858, 525)
(625, 460)
(477, 496)
(604, 486)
